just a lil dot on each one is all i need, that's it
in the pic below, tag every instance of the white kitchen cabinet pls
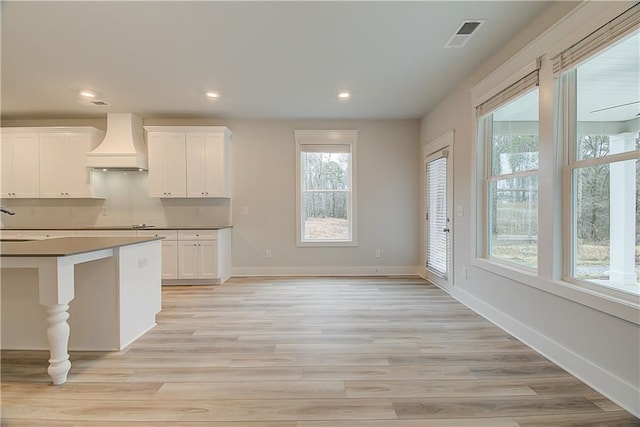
(197, 254)
(106, 233)
(205, 151)
(169, 251)
(20, 164)
(167, 164)
(10, 234)
(207, 165)
(63, 163)
(46, 234)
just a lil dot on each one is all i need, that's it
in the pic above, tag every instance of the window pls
(601, 90)
(325, 164)
(508, 134)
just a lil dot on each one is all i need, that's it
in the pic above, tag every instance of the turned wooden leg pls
(58, 336)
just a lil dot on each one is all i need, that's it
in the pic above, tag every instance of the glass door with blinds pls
(438, 224)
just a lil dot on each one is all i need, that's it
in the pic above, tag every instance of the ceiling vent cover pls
(464, 32)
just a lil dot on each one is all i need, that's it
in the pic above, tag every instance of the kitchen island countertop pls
(121, 227)
(66, 246)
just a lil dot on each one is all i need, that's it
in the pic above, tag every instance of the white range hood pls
(123, 146)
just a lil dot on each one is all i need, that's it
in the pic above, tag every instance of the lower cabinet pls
(192, 257)
(169, 251)
(188, 256)
(198, 254)
(197, 259)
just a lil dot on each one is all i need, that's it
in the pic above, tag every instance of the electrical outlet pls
(197, 211)
(267, 253)
(105, 211)
(142, 262)
(378, 253)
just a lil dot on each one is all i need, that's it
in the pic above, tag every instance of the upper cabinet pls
(189, 161)
(63, 169)
(47, 162)
(19, 161)
(167, 164)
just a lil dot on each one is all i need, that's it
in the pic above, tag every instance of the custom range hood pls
(123, 146)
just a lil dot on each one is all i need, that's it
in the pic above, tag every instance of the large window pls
(602, 141)
(508, 133)
(325, 187)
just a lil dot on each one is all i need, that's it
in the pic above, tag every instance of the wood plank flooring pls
(301, 352)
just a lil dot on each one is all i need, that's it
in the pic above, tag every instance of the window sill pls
(615, 303)
(327, 243)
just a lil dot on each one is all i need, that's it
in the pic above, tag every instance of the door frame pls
(444, 142)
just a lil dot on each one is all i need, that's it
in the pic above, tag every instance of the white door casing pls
(438, 194)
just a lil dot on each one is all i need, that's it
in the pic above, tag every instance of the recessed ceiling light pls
(344, 95)
(87, 94)
(213, 95)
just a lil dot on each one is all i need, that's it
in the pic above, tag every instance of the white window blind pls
(608, 34)
(437, 247)
(325, 148)
(518, 88)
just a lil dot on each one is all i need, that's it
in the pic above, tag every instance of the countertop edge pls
(118, 228)
(64, 246)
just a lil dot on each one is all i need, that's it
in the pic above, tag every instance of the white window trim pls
(327, 137)
(579, 23)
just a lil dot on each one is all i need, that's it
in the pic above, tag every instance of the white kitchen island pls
(98, 294)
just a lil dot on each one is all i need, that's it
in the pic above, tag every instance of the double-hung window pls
(326, 170)
(507, 126)
(600, 96)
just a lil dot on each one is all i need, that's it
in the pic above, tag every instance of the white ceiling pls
(266, 59)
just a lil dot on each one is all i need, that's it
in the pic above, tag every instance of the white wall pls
(600, 348)
(263, 180)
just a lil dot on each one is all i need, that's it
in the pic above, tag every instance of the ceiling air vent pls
(464, 32)
(99, 102)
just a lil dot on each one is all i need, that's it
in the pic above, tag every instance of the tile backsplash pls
(126, 201)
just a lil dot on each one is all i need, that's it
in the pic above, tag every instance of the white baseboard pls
(325, 271)
(614, 388)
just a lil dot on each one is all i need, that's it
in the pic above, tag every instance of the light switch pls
(460, 210)
(245, 210)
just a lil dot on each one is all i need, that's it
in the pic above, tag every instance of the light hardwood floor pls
(299, 352)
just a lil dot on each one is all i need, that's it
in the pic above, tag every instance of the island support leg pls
(58, 336)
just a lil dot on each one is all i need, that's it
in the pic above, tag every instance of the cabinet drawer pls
(106, 233)
(46, 234)
(10, 234)
(167, 234)
(197, 234)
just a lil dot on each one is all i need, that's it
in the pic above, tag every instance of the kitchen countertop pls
(65, 246)
(123, 227)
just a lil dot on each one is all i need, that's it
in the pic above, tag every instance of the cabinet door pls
(78, 175)
(53, 165)
(188, 259)
(169, 259)
(157, 163)
(26, 166)
(196, 165)
(208, 259)
(167, 164)
(216, 173)
(6, 165)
